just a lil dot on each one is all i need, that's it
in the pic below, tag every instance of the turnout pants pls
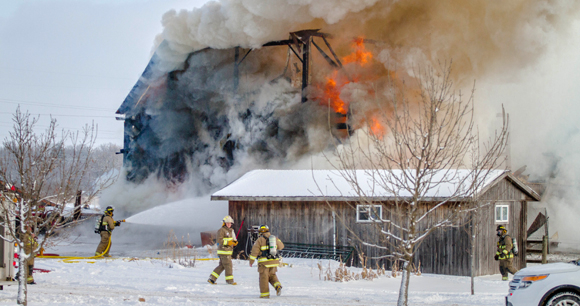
(225, 264)
(29, 277)
(29, 266)
(505, 266)
(267, 276)
(105, 236)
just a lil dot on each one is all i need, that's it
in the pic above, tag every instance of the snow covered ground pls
(141, 277)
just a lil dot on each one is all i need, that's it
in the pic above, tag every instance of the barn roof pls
(330, 185)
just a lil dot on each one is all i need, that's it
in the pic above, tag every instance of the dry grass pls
(179, 251)
(343, 274)
(397, 268)
(212, 250)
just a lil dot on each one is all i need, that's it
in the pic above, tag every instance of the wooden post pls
(305, 65)
(545, 250)
(236, 69)
(77, 209)
(472, 255)
(546, 229)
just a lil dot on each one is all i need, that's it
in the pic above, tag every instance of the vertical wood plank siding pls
(444, 251)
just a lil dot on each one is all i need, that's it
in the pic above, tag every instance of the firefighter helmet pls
(501, 230)
(228, 219)
(264, 228)
(109, 210)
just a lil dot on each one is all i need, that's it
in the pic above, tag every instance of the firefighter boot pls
(211, 281)
(279, 290)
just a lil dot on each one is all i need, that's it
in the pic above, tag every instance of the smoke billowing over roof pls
(188, 112)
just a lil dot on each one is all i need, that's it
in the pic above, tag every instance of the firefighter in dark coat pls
(505, 253)
(266, 251)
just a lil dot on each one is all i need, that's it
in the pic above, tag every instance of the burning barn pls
(320, 209)
(263, 106)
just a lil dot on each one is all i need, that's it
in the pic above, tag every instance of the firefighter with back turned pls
(266, 250)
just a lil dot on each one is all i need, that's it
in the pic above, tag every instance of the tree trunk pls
(472, 257)
(404, 290)
(22, 276)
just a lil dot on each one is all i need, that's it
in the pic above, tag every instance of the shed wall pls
(444, 251)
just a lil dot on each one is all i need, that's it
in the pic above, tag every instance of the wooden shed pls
(296, 204)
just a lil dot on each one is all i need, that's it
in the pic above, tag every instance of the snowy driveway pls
(124, 281)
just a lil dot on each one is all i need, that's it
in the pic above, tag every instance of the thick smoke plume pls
(192, 112)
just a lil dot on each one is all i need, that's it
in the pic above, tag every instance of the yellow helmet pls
(109, 210)
(264, 228)
(228, 219)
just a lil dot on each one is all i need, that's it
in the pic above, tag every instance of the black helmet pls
(501, 230)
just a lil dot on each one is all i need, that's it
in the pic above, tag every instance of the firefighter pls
(226, 241)
(30, 243)
(266, 250)
(504, 253)
(105, 230)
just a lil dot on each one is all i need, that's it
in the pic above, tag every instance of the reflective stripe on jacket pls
(504, 248)
(261, 246)
(225, 236)
(108, 223)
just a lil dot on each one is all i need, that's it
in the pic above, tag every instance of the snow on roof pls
(297, 185)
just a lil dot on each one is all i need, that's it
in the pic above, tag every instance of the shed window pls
(502, 213)
(368, 213)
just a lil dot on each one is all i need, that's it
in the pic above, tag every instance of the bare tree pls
(428, 160)
(40, 175)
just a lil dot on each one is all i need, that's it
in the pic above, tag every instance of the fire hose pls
(69, 258)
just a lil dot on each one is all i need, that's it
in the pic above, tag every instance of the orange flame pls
(376, 127)
(332, 94)
(360, 56)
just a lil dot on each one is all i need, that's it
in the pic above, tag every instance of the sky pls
(76, 60)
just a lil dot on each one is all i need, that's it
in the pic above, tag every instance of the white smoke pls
(496, 42)
(245, 23)
(543, 104)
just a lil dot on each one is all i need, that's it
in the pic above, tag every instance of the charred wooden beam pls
(295, 53)
(305, 66)
(236, 69)
(332, 51)
(285, 42)
(326, 57)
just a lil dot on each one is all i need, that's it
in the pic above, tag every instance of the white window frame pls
(502, 219)
(359, 209)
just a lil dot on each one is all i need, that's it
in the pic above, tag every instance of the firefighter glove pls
(496, 257)
(117, 223)
(234, 242)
